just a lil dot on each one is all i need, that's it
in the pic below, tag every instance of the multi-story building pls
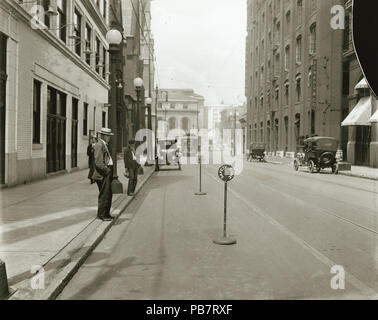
(53, 85)
(139, 62)
(359, 136)
(179, 109)
(293, 72)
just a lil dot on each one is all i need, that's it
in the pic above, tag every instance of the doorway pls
(74, 132)
(363, 145)
(3, 81)
(56, 130)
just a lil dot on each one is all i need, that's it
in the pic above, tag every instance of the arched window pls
(172, 123)
(185, 124)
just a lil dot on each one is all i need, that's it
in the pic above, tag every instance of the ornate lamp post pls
(138, 84)
(150, 158)
(114, 38)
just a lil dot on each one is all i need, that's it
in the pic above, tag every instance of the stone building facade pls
(293, 72)
(55, 85)
(179, 109)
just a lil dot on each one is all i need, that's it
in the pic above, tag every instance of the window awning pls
(374, 118)
(362, 84)
(360, 115)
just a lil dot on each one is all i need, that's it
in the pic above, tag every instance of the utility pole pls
(156, 125)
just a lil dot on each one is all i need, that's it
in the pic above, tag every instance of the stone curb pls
(60, 270)
(344, 173)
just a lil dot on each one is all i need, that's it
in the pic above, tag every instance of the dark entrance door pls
(3, 79)
(74, 133)
(56, 130)
(363, 145)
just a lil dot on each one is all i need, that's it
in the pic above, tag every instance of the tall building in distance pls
(294, 72)
(180, 109)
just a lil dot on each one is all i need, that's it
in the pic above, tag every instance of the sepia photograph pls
(172, 151)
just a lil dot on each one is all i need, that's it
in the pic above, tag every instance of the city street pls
(291, 228)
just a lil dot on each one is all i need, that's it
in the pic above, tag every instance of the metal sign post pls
(200, 193)
(226, 173)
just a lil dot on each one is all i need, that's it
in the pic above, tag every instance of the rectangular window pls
(313, 39)
(62, 19)
(104, 62)
(37, 112)
(299, 11)
(56, 102)
(105, 9)
(298, 51)
(85, 119)
(104, 119)
(75, 107)
(88, 44)
(77, 32)
(45, 4)
(98, 57)
(287, 58)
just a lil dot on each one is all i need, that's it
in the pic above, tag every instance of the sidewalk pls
(357, 171)
(41, 221)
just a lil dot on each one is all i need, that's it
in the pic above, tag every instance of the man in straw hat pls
(103, 174)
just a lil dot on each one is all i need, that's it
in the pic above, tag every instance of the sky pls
(200, 44)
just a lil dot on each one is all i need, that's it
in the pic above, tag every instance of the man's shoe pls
(106, 218)
(131, 194)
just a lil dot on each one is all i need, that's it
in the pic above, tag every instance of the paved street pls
(292, 228)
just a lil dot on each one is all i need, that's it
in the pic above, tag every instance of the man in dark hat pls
(131, 167)
(103, 174)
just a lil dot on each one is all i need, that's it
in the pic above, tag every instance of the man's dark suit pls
(131, 165)
(103, 175)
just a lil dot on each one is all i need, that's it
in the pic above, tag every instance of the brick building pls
(54, 85)
(293, 72)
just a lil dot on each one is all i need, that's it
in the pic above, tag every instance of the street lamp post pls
(138, 84)
(150, 159)
(114, 38)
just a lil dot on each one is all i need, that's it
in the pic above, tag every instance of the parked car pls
(318, 153)
(169, 153)
(257, 151)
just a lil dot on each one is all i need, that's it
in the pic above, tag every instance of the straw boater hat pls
(106, 131)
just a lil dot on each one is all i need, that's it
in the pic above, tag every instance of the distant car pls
(257, 151)
(169, 153)
(318, 153)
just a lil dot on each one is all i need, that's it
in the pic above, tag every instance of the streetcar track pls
(320, 209)
(365, 289)
(316, 177)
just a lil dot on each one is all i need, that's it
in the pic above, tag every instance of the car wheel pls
(335, 168)
(296, 165)
(311, 166)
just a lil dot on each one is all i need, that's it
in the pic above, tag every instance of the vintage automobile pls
(169, 153)
(317, 154)
(257, 151)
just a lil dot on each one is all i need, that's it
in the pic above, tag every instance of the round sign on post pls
(226, 173)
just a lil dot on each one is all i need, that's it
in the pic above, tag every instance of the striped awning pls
(362, 85)
(360, 115)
